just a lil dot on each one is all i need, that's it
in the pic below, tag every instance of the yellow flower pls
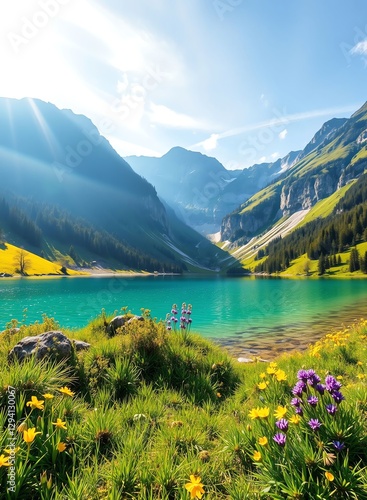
(295, 419)
(61, 447)
(48, 396)
(262, 375)
(29, 435)
(218, 395)
(36, 403)
(22, 427)
(9, 451)
(263, 441)
(257, 456)
(280, 375)
(195, 487)
(60, 424)
(4, 461)
(254, 413)
(359, 363)
(273, 364)
(361, 376)
(263, 412)
(67, 391)
(271, 370)
(340, 377)
(280, 412)
(262, 385)
(329, 476)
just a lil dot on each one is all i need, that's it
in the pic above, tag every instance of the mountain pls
(59, 176)
(335, 156)
(199, 188)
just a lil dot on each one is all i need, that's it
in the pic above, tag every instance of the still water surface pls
(231, 310)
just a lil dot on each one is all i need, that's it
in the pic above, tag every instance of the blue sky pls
(245, 81)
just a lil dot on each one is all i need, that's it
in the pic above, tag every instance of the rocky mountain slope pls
(336, 155)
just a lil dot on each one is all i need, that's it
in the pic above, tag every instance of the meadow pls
(158, 412)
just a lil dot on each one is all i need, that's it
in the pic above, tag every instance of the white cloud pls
(275, 156)
(125, 148)
(211, 143)
(283, 134)
(264, 101)
(163, 115)
(262, 159)
(360, 48)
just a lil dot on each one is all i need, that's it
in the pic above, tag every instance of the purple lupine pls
(338, 445)
(312, 378)
(280, 438)
(332, 384)
(282, 424)
(312, 400)
(320, 388)
(296, 402)
(315, 424)
(331, 409)
(337, 396)
(299, 388)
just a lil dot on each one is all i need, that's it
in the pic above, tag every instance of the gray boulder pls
(51, 344)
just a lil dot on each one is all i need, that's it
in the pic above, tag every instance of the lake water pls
(246, 314)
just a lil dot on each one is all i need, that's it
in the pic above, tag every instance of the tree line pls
(323, 238)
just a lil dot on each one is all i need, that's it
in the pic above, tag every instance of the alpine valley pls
(68, 197)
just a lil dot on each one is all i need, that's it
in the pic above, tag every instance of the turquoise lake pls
(235, 311)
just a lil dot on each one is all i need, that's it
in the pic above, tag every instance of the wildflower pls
(262, 375)
(338, 445)
(331, 409)
(332, 384)
(67, 391)
(282, 424)
(263, 412)
(359, 363)
(48, 396)
(295, 419)
(296, 402)
(59, 424)
(262, 385)
(280, 412)
(302, 375)
(257, 456)
(263, 441)
(315, 424)
(320, 388)
(195, 487)
(30, 435)
(61, 447)
(361, 376)
(280, 438)
(271, 370)
(280, 375)
(218, 395)
(312, 400)
(337, 397)
(8, 451)
(312, 378)
(329, 476)
(299, 388)
(254, 413)
(4, 461)
(299, 411)
(35, 403)
(22, 427)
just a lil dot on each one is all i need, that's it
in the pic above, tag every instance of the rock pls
(114, 324)
(134, 318)
(80, 345)
(53, 344)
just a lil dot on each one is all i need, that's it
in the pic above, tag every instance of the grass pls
(9, 262)
(146, 409)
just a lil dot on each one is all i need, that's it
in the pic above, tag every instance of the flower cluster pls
(184, 320)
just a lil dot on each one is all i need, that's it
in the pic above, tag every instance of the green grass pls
(151, 407)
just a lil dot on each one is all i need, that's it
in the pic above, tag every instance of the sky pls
(245, 81)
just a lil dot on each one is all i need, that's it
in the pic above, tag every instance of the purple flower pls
(338, 445)
(280, 438)
(320, 388)
(188, 312)
(282, 424)
(174, 311)
(296, 402)
(302, 375)
(315, 424)
(332, 384)
(169, 328)
(337, 396)
(189, 320)
(299, 411)
(299, 388)
(312, 377)
(183, 311)
(312, 400)
(331, 409)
